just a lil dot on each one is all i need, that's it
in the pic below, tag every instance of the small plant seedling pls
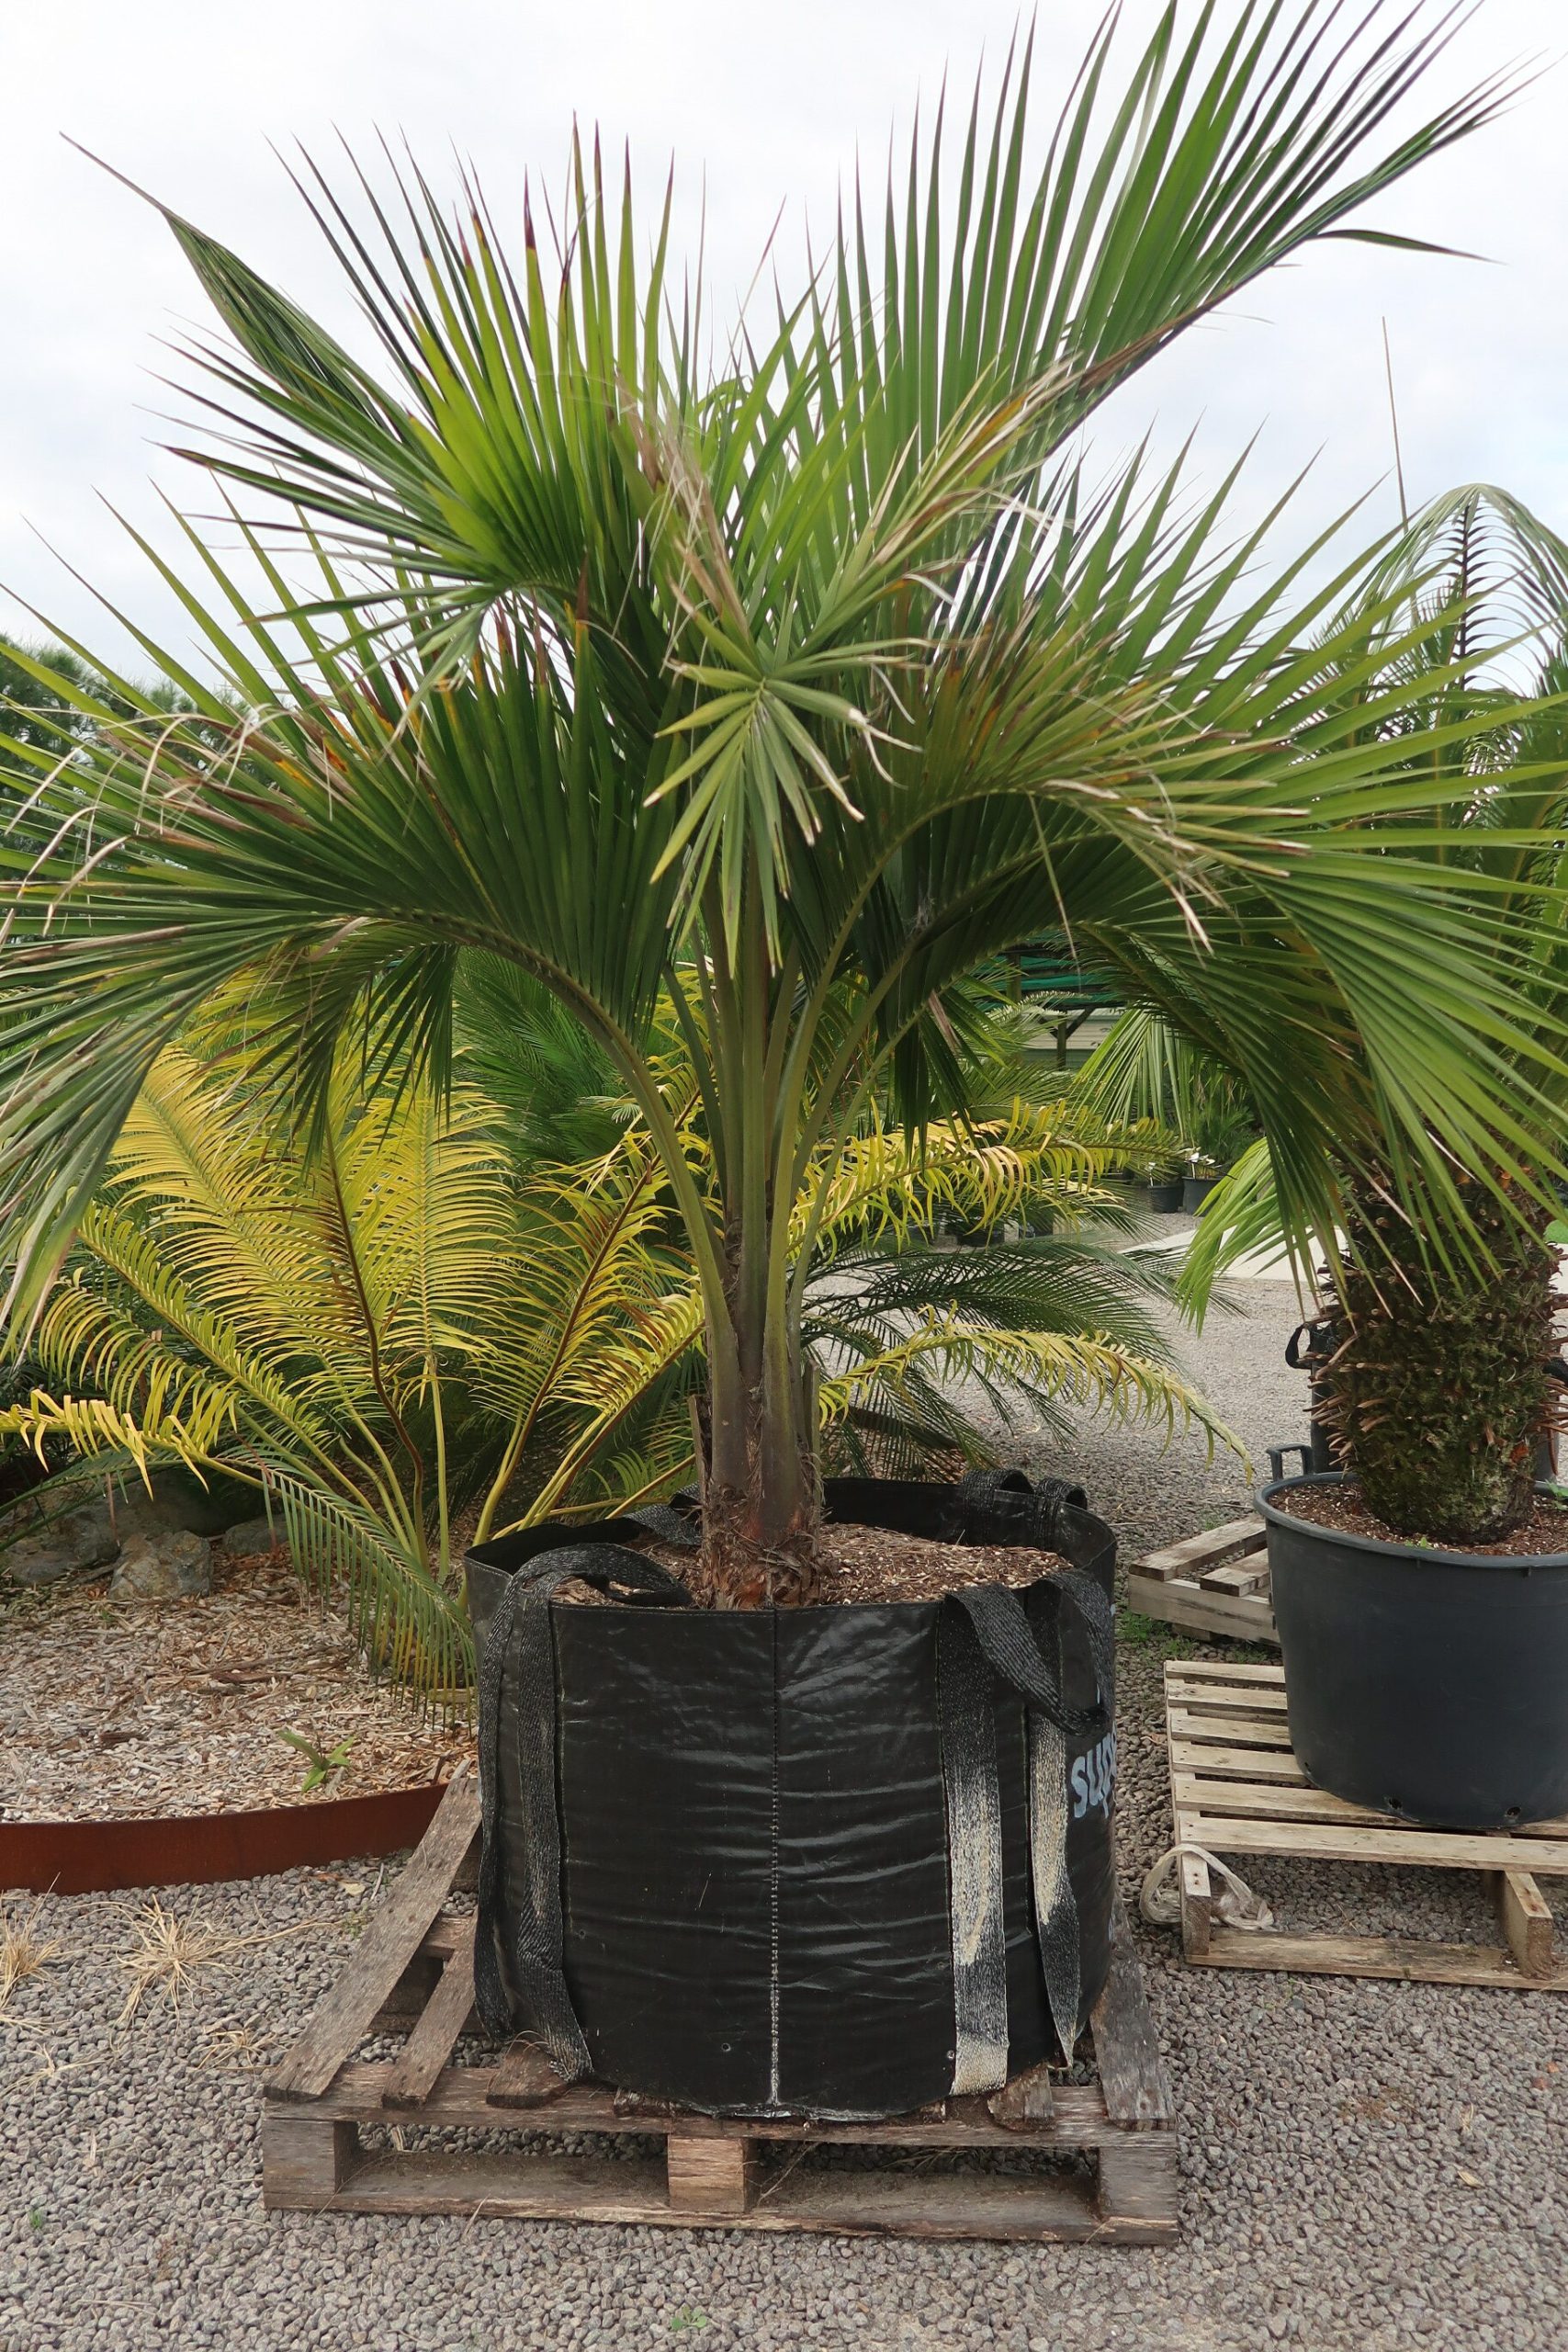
(324, 1762)
(35, 2218)
(688, 2316)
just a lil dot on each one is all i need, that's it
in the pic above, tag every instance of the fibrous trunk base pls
(1438, 1394)
(737, 1569)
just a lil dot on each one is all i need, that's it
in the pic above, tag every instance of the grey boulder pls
(253, 1535)
(163, 1567)
(76, 1541)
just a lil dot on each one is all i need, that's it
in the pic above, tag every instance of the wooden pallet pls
(1237, 1789)
(412, 1973)
(1214, 1583)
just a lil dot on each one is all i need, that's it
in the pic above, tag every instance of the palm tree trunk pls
(761, 1494)
(1437, 1393)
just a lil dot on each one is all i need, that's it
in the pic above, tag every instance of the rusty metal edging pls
(196, 1849)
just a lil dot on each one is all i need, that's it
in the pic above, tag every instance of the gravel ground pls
(1366, 2165)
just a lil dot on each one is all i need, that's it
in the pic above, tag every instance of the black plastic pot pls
(1195, 1191)
(1423, 1682)
(1165, 1199)
(837, 1861)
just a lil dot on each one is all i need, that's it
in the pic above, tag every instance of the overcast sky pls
(765, 105)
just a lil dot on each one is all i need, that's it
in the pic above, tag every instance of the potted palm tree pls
(1421, 1588)
(785, 697)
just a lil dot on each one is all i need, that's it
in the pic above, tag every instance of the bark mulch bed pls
(881, 1564)
(1341, 1508)
(140, 1709)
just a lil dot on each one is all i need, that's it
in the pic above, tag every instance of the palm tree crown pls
(786, 693)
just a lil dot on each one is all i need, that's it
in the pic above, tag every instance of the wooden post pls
(305, 2161)
(711, 2176)
(1138, 2178)
(1197, 1899)
(1526, 1923)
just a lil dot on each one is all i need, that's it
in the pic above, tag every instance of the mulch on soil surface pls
(1341, 1508)
(880, 1564)
(149, 1708)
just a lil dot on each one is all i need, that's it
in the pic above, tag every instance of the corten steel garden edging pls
(198, 1850)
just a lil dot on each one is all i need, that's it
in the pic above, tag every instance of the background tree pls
(1436, 1389)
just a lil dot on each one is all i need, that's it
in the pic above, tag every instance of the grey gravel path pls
(1368, 2166)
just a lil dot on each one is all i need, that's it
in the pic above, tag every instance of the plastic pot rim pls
(1416, 1555)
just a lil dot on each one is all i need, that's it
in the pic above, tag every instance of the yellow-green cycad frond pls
(410, 1627)
(92, 1426)
(146, 1332)
(892, 1181)
(1027, 1376)
(415, 1199)
(586, 1312)
(199, 1167)
(614, 1389)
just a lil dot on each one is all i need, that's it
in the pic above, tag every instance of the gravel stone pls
(1367, 2167)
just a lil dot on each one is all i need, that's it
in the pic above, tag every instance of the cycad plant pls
(436, 1319)
(784, 688)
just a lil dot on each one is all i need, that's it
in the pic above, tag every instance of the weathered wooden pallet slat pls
(1237, 1729)
(1247, 1794)
(1214, 1582)
(527, 2187)
(349, 2010)
(413, 1973)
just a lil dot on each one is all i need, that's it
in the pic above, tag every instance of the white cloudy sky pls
(769, 104)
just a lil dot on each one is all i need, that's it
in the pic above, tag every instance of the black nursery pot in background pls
(837, 1860)
(1164, 1198)
(1423, 1682)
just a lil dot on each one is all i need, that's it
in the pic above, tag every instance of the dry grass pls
(169, 1950)
(237, 2049)
(23, 1951)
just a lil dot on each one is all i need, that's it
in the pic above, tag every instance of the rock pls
(253, 1535)
(76, 1541)
(206, 1505)
(161, 1567)
(177, 1502)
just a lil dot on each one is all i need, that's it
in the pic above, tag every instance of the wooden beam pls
(305, 2161)
(1527, 1922)
(1210, 1544)
(711, 2176)
(429, 2045)
(1218, 1670)
(1235, 1576)
(1405, 1960)
(1233, 1729)
(1132, 2072)
(525, 2077)
(391, 1938)
(904, 2204)
(1027, 2099)
(1336, 1842)
(1258, 1799)
(1181, 1603)
(1236, 1763)
(1138, 2180)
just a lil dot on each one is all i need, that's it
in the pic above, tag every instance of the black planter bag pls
(841, 1860)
